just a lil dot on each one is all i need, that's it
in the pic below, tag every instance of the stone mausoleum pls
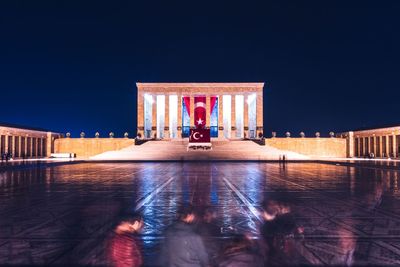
(229, 110)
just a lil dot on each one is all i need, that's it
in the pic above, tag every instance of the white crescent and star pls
(194, 136)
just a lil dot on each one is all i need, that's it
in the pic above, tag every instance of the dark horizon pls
(72, 67)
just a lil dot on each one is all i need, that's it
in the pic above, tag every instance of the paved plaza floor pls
(64, 213)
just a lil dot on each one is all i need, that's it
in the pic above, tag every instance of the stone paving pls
(63, 214)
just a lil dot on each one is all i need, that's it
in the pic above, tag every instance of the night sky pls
(72, 65)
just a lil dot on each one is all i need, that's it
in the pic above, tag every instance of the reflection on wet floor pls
(67, 213)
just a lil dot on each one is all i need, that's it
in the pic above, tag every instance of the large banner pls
(214, 116)
(186, 111)
(200, 112)
(186, 116)
(199, 136)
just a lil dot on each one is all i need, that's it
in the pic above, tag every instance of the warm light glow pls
(226, 114)
(148, 113)
(160, 115)
(239, 112)
(252, 115)
(173, 116)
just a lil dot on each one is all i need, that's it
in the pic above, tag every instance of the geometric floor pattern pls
(63, 214)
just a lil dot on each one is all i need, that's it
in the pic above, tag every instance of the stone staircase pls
(177, 150)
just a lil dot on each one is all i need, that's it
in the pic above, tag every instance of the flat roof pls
(17, 126)
(195, 84)
(378, 127)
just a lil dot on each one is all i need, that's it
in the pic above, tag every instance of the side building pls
(26, 142)
(374, 142)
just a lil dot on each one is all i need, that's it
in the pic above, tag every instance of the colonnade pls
(238, 113)
(22, 146)
(26, 143)
(381, 146)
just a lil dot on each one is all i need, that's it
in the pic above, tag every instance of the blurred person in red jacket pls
(125, 250)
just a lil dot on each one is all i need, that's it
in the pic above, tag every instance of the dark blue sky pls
(73, 65)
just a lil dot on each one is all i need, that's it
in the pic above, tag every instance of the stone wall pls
(318, 147)
(87, 147)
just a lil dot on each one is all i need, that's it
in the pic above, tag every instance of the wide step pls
(177, 150)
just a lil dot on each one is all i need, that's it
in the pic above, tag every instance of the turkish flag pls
(200, 112)
(199, 136)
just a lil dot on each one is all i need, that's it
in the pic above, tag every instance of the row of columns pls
(23, 146)
(259, 114)
(386, 146)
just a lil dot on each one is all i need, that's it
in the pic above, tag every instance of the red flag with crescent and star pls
(199, 136)
(200, 112)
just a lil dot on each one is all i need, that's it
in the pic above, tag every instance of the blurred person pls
(125, 249)
(210, 232)
(183, 247)
(280, 232)
(240, 252)
(346, 248)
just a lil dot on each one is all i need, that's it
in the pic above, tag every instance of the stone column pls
(166, 118)
(387, 146)
(259, 108)
(23, 148)
(191, 111)
(179, 119)
(154, 116)
(350, 145)
(49, 140)
(246, 117)
(37, 146)
(208, 111)
(220, 118)
(395, 152)
(43, 147)
(377, 146)
(373, 145)
(233, 116)
(6, 143)
(28, 147)
(12, 150)
(140, 113)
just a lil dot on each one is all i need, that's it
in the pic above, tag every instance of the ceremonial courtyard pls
(64, 213)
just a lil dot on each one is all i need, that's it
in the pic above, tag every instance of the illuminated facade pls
(26, 142)
(229, 110)
(379, 142)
